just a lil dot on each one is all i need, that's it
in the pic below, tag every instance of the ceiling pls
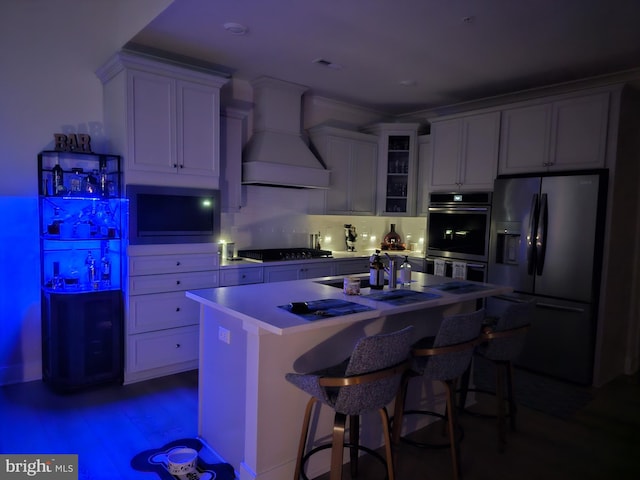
(445, 51)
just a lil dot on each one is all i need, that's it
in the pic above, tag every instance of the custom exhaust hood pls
(277, 154)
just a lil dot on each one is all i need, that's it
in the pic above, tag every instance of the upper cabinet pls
(397, 153)
(352, 158)
(464, 152)
(568, 133)
(164, 119)
(424, 165)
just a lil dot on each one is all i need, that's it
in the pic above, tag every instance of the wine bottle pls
(405, 272)
(105, 268)
(57, 177)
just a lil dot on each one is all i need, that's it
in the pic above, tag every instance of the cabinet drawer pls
(159, 349)
(155, 264)
(172, 282)
(240, 276)
(161, 310)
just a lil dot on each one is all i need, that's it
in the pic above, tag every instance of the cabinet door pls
(362, 178)
(348, 267)
(525, 139)
(317, 270)
(198, 129)
(281, 273)
(580, 132)
(338, 161)
(160, 311)
(479, 159)
(445, 155)
(424, 166)
(240, 276)
(152, 122)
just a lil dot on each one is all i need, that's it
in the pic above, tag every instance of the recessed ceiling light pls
(327, 63)
(408, 83)
(235, 28)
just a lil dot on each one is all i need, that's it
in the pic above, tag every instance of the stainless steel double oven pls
(458, 227)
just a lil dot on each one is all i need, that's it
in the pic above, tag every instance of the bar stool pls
(503, 339)
(367, 381)
(444, 358)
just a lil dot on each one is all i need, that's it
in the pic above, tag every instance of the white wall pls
(49, 52)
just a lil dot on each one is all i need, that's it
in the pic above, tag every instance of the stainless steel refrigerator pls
(546, 242)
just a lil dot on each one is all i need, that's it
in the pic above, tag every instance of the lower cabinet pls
(352, 266)
(241, 276)
(298, 271)
(81, 339)
(162, 323)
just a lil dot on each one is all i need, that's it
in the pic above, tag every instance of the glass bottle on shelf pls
(72, 278)
(105, 268)
(75, 181)
(104, 178)
(57, 179)
(92, 272)
(91, 184)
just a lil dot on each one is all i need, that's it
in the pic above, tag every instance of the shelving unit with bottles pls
(82, 248)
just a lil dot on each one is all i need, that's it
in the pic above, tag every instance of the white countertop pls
(258, 303)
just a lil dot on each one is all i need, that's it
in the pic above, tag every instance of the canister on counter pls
(351, 286)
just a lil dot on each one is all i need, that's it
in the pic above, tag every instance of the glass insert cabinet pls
(82, 251)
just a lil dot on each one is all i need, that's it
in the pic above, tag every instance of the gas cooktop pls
(281, 254)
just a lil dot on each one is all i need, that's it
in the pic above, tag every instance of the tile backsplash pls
(276, 217)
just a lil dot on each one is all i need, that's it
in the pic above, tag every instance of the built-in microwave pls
(159, 214)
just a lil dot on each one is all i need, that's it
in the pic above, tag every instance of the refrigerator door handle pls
(531, 234)
(541, 234)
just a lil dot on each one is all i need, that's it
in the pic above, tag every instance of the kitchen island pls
(248, 413)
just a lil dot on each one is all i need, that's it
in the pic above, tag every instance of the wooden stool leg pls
(303, 437)
(354, 439)
(513, 407)
(337, 446)
(455, 457)
(502, 435)
(387, 443)
(398, 410)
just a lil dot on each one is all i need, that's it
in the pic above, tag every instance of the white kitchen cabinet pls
(352, 158)
(231, 142)
(161, 322)
(298, 271)
(397, 154)
(464, 153)
(164, 119)
(241, 276)
(424, 166)
(566, 133)
(352, 266)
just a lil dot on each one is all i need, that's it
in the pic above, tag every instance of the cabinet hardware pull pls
(177, 345)
(181, 166)
(175, 165)
(177, 263)
(177, 309)
(177, 282)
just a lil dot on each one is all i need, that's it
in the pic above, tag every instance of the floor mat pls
(155, 461)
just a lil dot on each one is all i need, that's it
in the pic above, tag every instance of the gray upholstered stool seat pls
(442, 358)
(367, 381)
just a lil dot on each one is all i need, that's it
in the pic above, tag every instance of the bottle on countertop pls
(376, 271)
(405, 272)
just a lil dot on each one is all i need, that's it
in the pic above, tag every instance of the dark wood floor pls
(108, 426)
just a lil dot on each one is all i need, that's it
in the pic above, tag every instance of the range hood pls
(277, 154)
